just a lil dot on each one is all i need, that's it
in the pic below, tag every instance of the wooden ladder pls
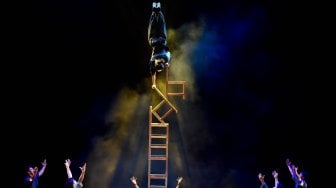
(158, 137)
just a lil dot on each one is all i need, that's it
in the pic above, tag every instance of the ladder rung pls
(158, 136)
(158, 176)
(158, 157)
(159, 124)
(175, 93)
(176, 82)
(158, 145)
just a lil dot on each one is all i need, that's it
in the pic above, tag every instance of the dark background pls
(67, 60)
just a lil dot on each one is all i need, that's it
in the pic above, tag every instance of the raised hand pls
(179, 180)
(67, 162)
(133, 180)
(83, 168)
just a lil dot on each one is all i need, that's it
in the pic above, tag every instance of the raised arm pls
(276, 178)
(179, 181)
(290, 167)
(262, 181)
(44, 165)
(134, 181)
(67, 167)
(299, 176)
(81, 177)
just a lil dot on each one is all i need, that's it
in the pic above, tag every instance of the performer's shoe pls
(156, 7)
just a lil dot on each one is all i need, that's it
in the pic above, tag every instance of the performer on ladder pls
(157, 39)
